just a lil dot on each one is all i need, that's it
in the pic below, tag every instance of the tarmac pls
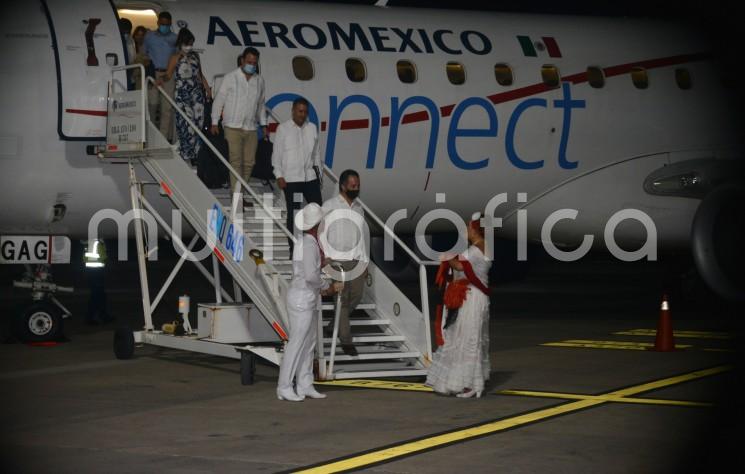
(573, 389)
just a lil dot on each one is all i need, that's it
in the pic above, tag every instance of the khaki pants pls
(161, 112)
(351, 296)
(242, 151)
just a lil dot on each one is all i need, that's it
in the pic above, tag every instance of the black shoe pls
(349, 349)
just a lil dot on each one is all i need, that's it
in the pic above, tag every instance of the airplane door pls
(87, 42)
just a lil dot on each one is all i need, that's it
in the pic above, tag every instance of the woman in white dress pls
(461, 365)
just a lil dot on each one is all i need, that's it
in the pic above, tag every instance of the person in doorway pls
(240, 102)
(160, 45)
(461, 365)
(296, 160)
(125, 28)
(303, 301)
(344, 239)
(191, 93)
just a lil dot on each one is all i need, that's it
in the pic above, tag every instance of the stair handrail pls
(421, 263)
(270, 213)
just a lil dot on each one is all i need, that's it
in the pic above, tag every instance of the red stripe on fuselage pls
(96, 113)
(535, 89)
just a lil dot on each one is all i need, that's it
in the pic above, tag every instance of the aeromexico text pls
(354, 37)
(349, 37)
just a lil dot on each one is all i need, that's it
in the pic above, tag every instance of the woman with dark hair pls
(461, 365)
(190, 93)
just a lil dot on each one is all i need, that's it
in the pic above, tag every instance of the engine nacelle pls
(718, 241)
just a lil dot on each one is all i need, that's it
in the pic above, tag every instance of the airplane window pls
(503, 74)
(595, 77)
(406, 71)
(683, 78)
(355, 70)
(456, 73)
(302, 67)
(550, 75)
(639, 77)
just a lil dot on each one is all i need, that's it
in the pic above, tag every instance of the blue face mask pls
(164, 29)
(249, 69)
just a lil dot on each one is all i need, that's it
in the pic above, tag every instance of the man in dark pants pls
(297, 161)
(95, 260)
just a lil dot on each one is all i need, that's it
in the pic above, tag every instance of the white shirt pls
(240, 101)
(296, 152)
(343, 233)
(131, 50)
(306, 285)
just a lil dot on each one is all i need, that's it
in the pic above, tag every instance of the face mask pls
(352, 193)
(164, 29)
(249, 68)
(186, 48)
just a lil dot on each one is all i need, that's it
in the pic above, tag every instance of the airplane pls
(435, 109)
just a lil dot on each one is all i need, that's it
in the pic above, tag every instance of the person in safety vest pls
(95, 261)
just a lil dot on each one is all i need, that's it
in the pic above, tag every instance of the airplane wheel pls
(248, 367)
(124, 343)
(40, 322)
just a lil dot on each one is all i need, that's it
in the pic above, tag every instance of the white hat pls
(309, 216)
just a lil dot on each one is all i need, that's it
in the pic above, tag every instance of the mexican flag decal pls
(532, 48)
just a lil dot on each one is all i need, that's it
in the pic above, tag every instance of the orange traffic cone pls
(664, 341)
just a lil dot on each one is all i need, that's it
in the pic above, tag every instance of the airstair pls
(245, 233)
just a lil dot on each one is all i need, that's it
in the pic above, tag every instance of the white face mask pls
(186, 48)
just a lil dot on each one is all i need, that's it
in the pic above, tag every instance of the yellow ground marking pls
(715, 349)
(688, 334)
(412, 447)
(629, 345)
(607, 398)
(381, 384)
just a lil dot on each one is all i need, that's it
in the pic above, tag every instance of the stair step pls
(374, 356)
(272, 244)
(362, 322)
(371, 338)
(380, 373)
(272, 232)
(274, 253)
(330, 306)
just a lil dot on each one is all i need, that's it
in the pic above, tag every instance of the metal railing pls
(422, 264)
(277, 221)
(241, 182)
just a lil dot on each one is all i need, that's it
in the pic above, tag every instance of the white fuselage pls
(573, 146)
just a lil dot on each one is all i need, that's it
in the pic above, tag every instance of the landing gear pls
(124, 343)
(40, 322)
